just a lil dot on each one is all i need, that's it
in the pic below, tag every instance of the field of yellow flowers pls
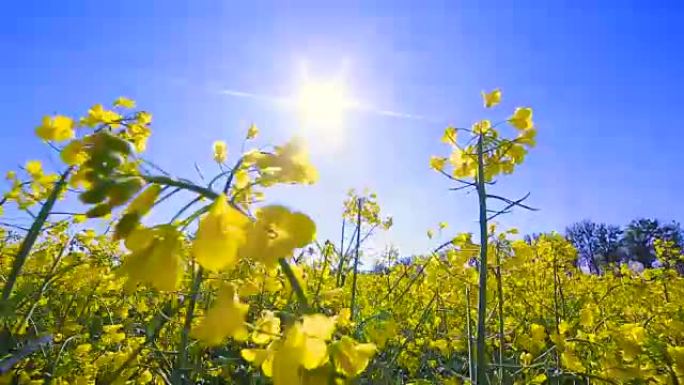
(232, 290)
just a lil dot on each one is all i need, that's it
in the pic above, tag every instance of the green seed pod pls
(116, 144)
(126, 224)
(96, 194)
(99, 211)
(106, 161)
(124, 189)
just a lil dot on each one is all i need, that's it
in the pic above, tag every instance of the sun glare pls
(322, 104)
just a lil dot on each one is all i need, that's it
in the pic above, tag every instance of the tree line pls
(649, 242)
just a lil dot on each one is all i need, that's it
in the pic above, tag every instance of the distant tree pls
(640, 236)
(380, 267)
(596, 243)
(531, 238)
(406, 260)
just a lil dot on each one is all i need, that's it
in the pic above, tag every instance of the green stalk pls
(32, 236)
(556, 317)
(167, 181)
(341, 264)
(469, 333)
(319, 285)
(182, 362)
(499, 289)
(296, 287)
(482, 303)
(356, 260)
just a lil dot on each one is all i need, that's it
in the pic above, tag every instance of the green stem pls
(182, 362)
(167, 181)
(341, 264)
(482, 302)
(469, 334)
(556, 313)
(294, 282)
(499, 289)
(32, 236)
(356, 260)
(319, 285)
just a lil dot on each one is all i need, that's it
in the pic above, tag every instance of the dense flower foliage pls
(228, 291)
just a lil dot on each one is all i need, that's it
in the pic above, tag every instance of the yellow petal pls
(220, 234)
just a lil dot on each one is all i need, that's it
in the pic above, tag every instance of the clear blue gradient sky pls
(604, 78)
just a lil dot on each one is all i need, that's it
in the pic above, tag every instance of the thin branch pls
(514, 203)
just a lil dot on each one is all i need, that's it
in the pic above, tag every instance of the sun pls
(322, 104)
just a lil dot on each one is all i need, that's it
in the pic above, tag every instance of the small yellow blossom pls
(34, 168)
(124, 102)
(522, 118)
(220, 151)
(252, 132)
(57, 128)
(491, 99)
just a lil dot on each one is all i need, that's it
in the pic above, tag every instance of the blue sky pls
(604, 79)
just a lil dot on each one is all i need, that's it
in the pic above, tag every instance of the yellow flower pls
(522, 118)
(34, 168)
(252, 132)
(249, 287)
(482, 127)
(79, 218)
(318, 326)
(437, 163)
(144, 118)
(631, 338)
(142, 204)
(276, 233)
(676, 353)
(571, 362)
(261, 357)
(73, 153)
(526, 358)
(301, 349)
(57, 128)
(220, 151)
(98, 115)
(266, 328)
(124, 102)
(288, 164)
(449, 136)
(351, 357)
(155, 257)
(537, 333)
(344, 317)
(221, 233)
(491, 99)
(110, 329)
(144, 378)
(226, 318)
(528, 137)
(241, 179)
(586, 317)
(83, 349)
